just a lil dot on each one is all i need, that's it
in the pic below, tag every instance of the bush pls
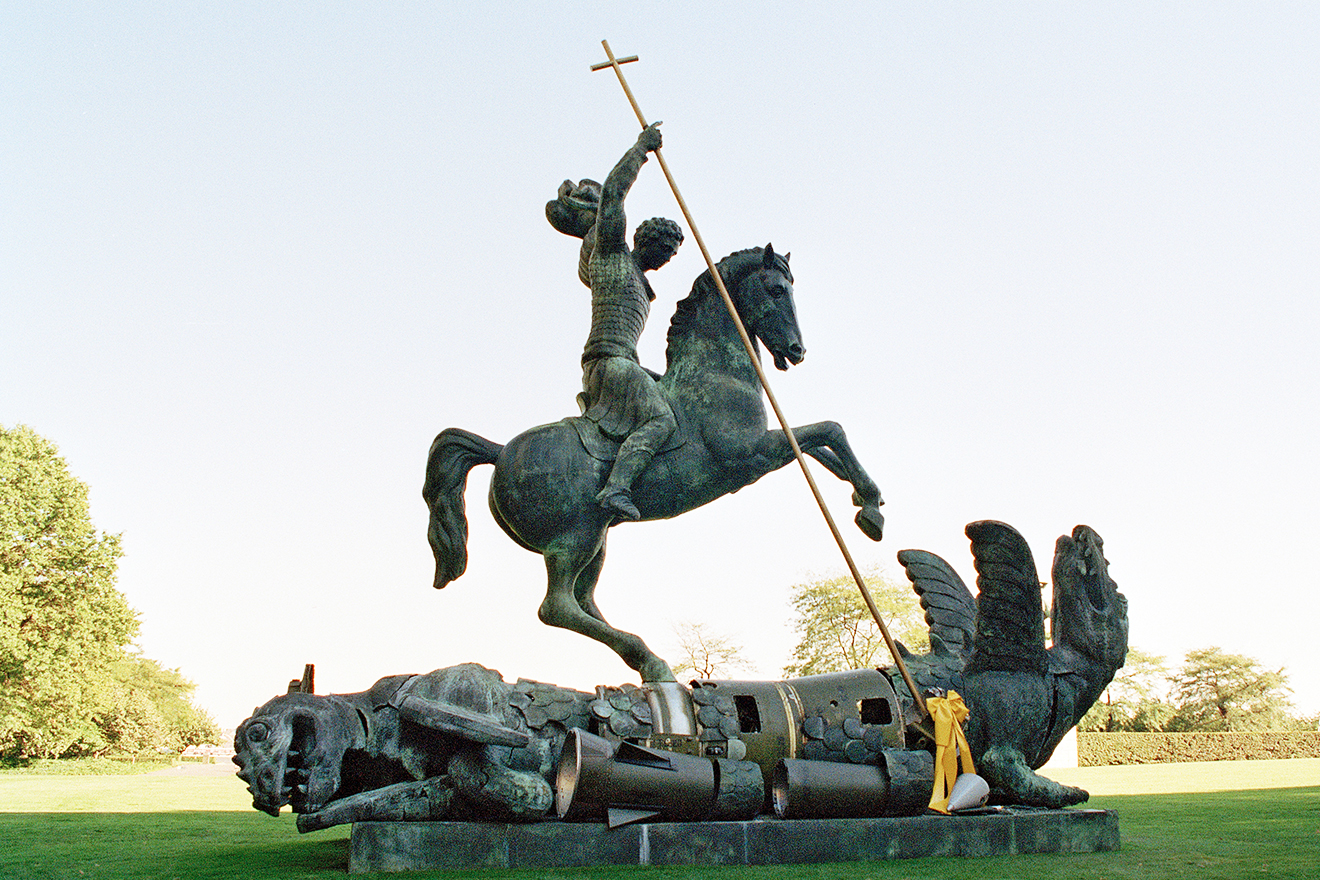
(84, 766)
(1101, 749)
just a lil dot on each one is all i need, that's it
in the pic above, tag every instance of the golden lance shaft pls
(765, 384)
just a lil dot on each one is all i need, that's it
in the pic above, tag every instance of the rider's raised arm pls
(611, 223)
(584, 256)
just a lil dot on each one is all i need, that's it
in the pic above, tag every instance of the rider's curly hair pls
(657, 229)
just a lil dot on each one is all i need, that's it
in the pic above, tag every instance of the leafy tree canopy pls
(1136, 700)
(1216, 690)
(64, 626)
(1212, 691)
(835, 629)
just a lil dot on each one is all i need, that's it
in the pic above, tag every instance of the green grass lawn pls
(1204, 821)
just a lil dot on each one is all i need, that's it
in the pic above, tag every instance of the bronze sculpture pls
(461, 743)
(991, 649)
(544, 489)
(619, 395)
(557, 489)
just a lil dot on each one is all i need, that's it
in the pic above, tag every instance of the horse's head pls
(762, 290)
(761, 287)
(290, 751)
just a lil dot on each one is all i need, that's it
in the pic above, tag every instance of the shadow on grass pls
(185, 844)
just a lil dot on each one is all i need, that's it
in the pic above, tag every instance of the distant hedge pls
(1100, 749)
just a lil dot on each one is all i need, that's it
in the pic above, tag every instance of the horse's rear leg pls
(584, 588)
(561, 608)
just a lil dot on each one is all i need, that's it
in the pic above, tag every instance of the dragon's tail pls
(454, 453)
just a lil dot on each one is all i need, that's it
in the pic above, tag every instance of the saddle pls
(602, 448)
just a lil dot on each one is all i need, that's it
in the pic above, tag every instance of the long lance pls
(765, 384)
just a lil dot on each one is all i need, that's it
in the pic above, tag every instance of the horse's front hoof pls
(871, 499)
(871, 522)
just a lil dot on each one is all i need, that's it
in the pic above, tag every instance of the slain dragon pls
(461, 743)
(991, 649)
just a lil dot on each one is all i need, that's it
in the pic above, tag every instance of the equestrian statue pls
(646, 446)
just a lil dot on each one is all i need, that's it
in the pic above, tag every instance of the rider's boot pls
(618, 501)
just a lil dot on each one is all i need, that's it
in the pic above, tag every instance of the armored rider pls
(620, 395)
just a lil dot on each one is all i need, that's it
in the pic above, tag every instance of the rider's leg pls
(634, 455)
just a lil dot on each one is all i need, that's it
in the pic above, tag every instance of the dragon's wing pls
(950, 607)
(1010, 625)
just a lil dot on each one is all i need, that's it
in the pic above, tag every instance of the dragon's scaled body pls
(461, 743)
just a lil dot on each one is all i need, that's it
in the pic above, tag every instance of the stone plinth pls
(417, 846)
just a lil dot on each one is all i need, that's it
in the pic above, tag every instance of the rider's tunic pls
(620, 395)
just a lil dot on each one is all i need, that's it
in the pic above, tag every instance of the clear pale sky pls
(1055, 264)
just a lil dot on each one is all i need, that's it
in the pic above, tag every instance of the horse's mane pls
(733, 269)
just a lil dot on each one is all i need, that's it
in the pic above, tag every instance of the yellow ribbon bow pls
(948, 714)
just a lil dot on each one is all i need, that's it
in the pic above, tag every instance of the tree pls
(62, 622)
(67, 683)
(708, 654)
(1216, 690)
(1134, 700)
(836, 631)
(150, 709)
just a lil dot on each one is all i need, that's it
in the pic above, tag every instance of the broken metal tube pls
(828, 790)
(624, 783)
(899, 785)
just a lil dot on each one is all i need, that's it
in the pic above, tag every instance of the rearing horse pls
(543, 491)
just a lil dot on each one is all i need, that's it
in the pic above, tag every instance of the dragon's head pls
(291, 750)
(1089, 614)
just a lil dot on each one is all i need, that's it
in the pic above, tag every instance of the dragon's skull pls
(291, 750)
(1089, 615)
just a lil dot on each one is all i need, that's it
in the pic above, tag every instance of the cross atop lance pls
(615, 64)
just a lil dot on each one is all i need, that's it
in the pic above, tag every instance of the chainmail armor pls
(620, 303)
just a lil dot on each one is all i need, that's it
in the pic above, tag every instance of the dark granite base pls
(418, 846)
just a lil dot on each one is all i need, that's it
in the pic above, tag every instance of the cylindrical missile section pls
(815, 747)
(899, 785)
(828, 790)
(848, 717)
(671, 708)
(623, 782)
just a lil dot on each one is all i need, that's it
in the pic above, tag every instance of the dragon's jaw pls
(261, 745)
(1089, 614)
(291, 750)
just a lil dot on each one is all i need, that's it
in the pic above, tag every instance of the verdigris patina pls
(447, 744)
(557, 489)
(618, 394)
(462, 743)
(991, 649)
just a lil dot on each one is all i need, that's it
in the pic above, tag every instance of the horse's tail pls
(453, 454)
